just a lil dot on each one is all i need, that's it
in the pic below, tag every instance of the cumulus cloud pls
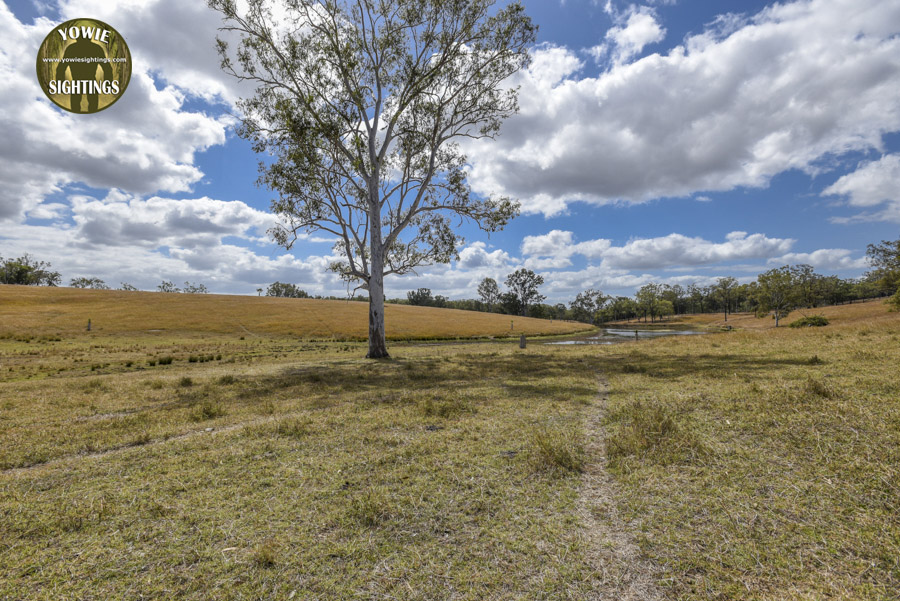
(142, 242)
(144, 143)
(824, 258)
(680, 250)
(173, 38)
(793, 84)
(119, 220)
(476, 256)
(554, 249)
(873, 184)
(635, 28)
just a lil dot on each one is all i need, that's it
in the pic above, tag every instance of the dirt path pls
(622, 574)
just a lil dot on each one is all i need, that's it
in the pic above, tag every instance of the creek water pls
(617, 335)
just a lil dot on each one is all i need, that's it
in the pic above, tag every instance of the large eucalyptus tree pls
(362, 104)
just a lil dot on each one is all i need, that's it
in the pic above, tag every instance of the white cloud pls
(679, 250)
(873, 184)
(824, 258)
(554, 249)
(172, 38)
(635, 29)
(475, 256)
(155, 222)
(789, 86)
(144, 143)
(123, 238)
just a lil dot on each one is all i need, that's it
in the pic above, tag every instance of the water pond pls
(617, 335)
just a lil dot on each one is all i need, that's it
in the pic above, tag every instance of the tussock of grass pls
(266, 553)
(814, 387)
(558, 449)
(446, 408)
(655, 433)
(293, 427)
(208, 410)
(370, 508)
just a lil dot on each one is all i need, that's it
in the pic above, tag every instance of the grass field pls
(753, 464)
(56, 311)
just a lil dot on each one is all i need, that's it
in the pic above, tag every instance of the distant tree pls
(664, 308)
(885, 255)
(127, 287)
(421, 297)
(489, 292)
(587, 305)
(167, 286)
(510, 303)
(835, 291)
(523, 284)
(808, 284)
(94, 283)
(282, 290)
(362, 104)
(190, 288)
(724, 288)
(777, 292)
(27, 271)
(675, 295)
(560, 311)
(259, 291)
(540, 311)
(894, 301)
(885, 261)
(648, 297)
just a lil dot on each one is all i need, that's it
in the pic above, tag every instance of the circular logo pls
(83, 66)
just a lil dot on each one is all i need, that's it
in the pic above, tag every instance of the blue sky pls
(661, 141)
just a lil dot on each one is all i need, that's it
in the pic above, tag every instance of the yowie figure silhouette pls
(84, 48)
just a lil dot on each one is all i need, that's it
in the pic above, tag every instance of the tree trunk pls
(377, 343)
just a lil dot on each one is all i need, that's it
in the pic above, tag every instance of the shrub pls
(166, 360)
(810, 322)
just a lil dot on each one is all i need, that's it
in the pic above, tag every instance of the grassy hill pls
(65, 311)
(855, 314)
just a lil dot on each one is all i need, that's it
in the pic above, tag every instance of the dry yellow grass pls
(49, 311)
(853, 314)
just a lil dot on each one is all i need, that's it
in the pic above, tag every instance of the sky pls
(664, 141)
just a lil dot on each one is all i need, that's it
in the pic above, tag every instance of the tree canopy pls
(27, 271)
(283, 290)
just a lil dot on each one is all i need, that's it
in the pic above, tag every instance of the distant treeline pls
(776, 292)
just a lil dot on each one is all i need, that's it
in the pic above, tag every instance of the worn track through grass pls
(623, 574)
